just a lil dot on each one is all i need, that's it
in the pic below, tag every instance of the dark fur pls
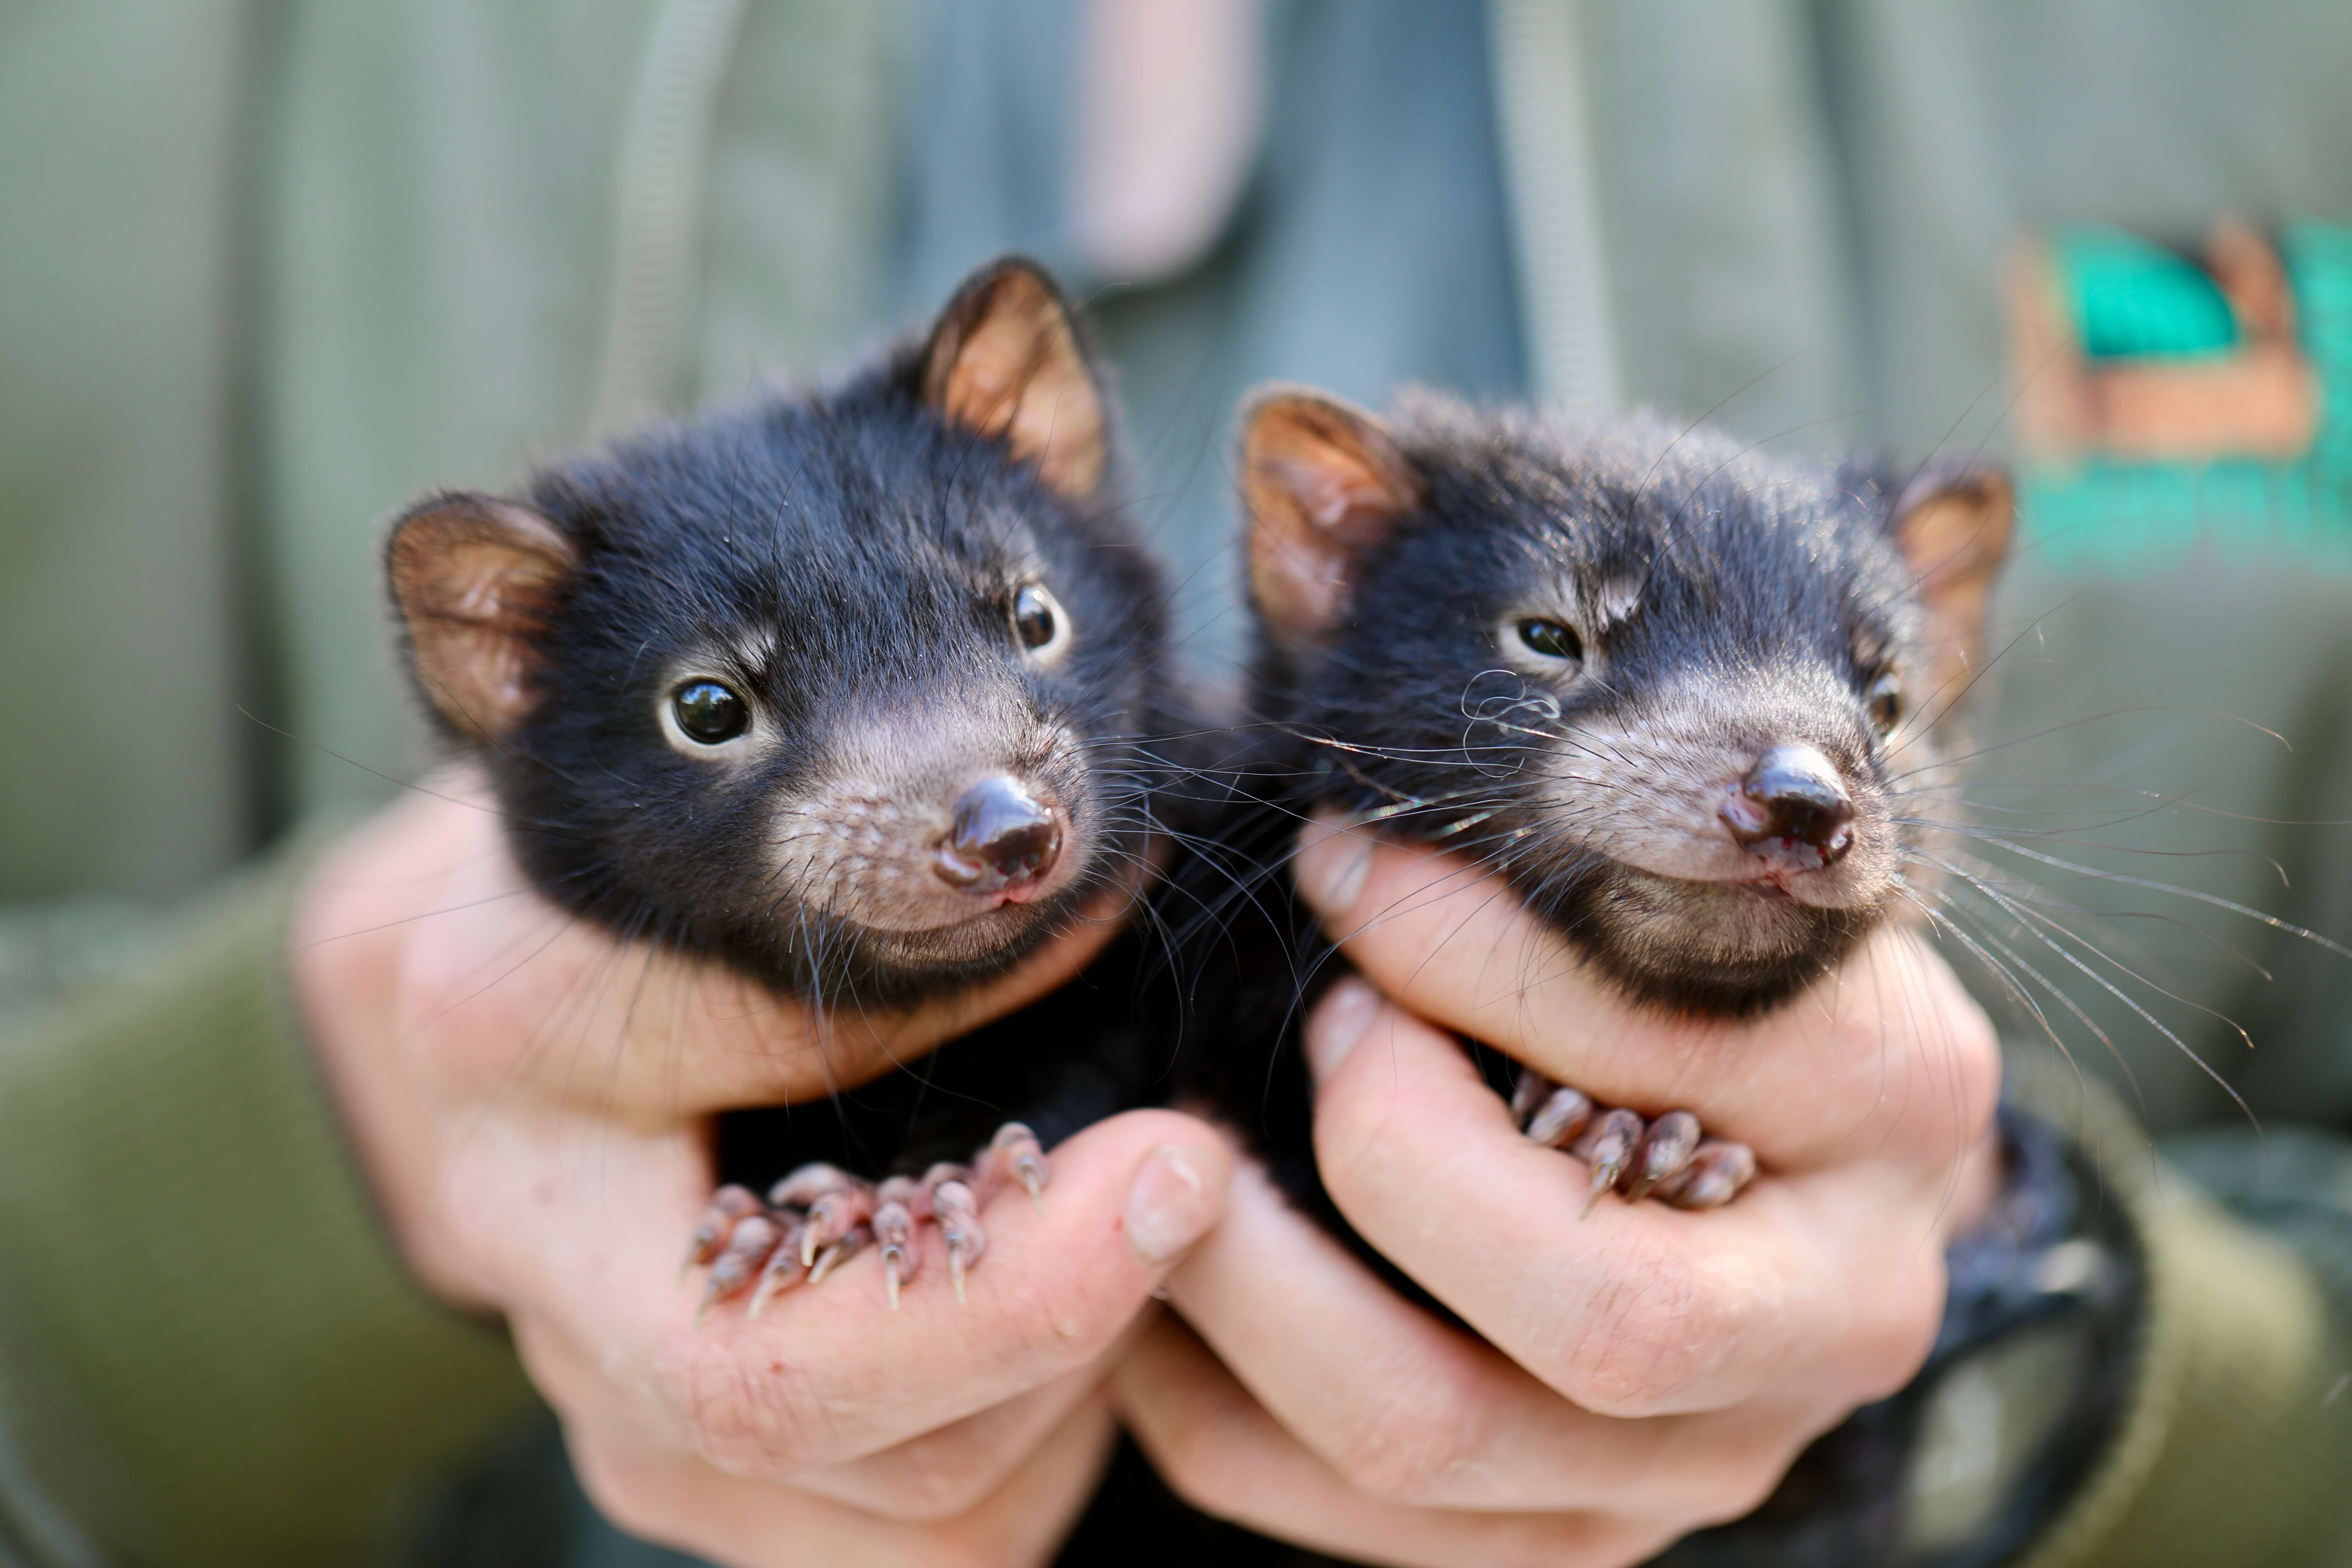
(1771, 584)
(875, 547)
(882, 547)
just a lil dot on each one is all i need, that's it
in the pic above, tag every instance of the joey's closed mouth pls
(1002, 918)
(938, 909)
(999, 935)
(1790, 887)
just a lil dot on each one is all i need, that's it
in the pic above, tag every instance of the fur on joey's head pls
(1673, 687)
(845, 688)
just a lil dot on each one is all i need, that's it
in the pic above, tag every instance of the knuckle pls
(747, 1417)
(1655, 1333)
(1409, 1449)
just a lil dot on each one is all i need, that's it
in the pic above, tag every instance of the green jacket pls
(272, 268)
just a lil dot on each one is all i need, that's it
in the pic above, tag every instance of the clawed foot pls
(819, 1218)
(1670, 1159)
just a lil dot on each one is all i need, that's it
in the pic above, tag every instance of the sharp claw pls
(894, 1227)
(754, 1239)
(1604, 1178)
(730, 1274)
(716, 1225)
(836, 1205)
(1607, 1146)
(1014, 1151)
(782, 1273)
(1666, 1149)
(841, 1252)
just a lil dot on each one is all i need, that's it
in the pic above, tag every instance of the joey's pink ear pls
(1952, 522)
(1323, 482)
(1006, 360)
(474, 579)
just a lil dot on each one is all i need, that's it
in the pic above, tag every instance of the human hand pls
(531, 1100)
(1643, 1372)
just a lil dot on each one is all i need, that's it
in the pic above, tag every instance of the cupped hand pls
(1638, 1372)
(532, 1100)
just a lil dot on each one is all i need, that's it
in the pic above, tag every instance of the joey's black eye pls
(1885, 700)
(1553, 640)
(1039, 621)
(709, 713)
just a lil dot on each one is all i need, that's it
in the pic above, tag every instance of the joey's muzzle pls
(1791, 810)
(1001, 839)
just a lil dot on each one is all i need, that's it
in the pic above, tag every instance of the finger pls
(830, 1373)
(506, 994)
(941, 1474)
(1226, 1456)
(1409, 1410)
(673, 1499)
(1832, 1279)
(1886, 1058)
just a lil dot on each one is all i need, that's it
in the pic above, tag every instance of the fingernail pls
(1339, 1022)
(1331, 865)
(1170, 1206)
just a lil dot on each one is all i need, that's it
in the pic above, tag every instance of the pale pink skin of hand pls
(552, 1183)
(531, 1102)
(1643, 1372)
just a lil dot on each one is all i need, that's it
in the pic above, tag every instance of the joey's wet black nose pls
(1002, 836)
(1791, 808)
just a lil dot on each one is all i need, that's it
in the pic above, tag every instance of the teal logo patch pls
(2165, 399)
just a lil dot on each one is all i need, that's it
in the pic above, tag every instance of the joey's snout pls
(1791, 810)
(1000, 839)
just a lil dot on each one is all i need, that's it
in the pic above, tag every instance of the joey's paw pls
(820, 1216)
(1670, 1159)
(812, 1220)
(743, 1240)
(1013, 1158)
(956, 1193)
(1718, 1168)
